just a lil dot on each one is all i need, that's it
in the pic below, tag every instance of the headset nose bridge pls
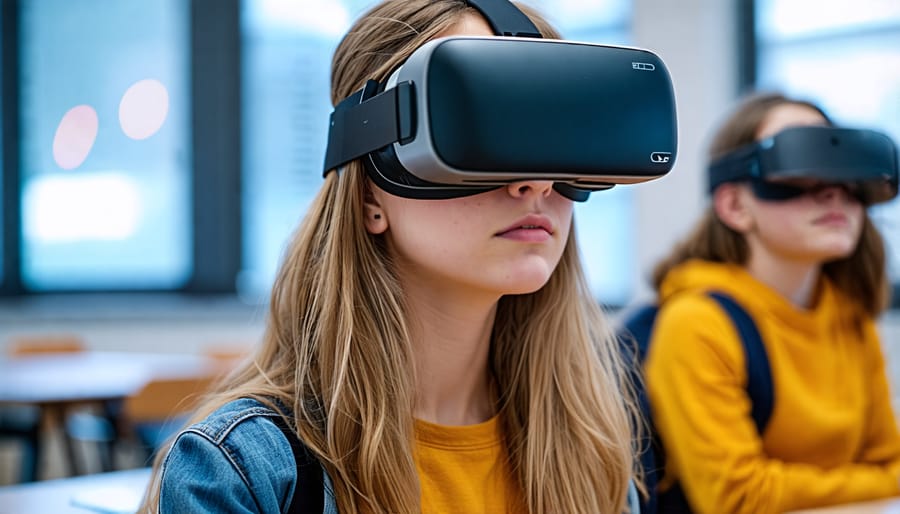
(828, 192)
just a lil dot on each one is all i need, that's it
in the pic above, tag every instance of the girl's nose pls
(530, 187)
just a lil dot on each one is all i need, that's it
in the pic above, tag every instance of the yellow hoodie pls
(832, 437)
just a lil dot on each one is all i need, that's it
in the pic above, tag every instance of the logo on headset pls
(660, 157)
(643, 66)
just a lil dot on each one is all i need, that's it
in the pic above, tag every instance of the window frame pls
(9, 150)
(215, 132)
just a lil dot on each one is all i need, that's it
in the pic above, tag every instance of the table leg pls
(53, 422)
(31, 456)
(69, 444)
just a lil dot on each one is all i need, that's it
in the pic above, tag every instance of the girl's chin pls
(839, 249)
(527, 285)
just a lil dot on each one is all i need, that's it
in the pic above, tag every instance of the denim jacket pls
(235, 460)
(238, 460)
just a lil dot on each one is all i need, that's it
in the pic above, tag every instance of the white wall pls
(697, 41)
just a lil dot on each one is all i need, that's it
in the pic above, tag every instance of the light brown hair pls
(862, 275)
(337, 349)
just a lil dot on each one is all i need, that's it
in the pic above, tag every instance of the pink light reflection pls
(75, 136)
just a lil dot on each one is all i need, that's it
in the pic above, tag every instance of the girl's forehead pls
(470, 24)
(788, 115)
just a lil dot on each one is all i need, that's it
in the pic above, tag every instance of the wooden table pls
(889, 506)
(56, 383)
(118, 491)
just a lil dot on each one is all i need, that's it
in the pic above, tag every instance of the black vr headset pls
(465, 115)
(863, 161)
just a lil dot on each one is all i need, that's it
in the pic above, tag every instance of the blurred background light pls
(143, 109)
(95, 206)
(75, 136)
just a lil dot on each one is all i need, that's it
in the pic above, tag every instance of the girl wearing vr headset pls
(808, 266)
(430, 355)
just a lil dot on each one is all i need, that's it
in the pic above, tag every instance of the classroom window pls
(286, 58)
(105, 145)
(844, 56)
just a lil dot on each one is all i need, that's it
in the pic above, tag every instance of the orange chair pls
(42, 344)
(160, 409)
(226, 359)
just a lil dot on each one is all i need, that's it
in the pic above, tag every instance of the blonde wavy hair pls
(337, 348)
(862, 275)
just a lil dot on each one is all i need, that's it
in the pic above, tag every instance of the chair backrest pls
(42, 344)
(166, 398)
(227, 356)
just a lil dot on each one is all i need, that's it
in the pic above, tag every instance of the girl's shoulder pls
(243, 414)
(695, 309)
(236, 456)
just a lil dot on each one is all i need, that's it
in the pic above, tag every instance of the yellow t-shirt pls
(465, 469)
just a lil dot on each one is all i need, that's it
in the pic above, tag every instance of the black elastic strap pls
(505, 18)
(309, 491)
(739, 164)
(367, 120)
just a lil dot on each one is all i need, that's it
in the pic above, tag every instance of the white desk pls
(78, 377)
(889, 506)
(121, 490)
(56, 383)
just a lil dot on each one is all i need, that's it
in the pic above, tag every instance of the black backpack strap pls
(309, 491)
(634, 339)
(760, 389)
(638, 327)
(759, 374)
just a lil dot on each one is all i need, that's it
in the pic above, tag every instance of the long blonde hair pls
(862, 275)
(337, 348)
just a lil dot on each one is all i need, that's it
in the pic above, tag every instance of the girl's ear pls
(732, 205)
(375, 217)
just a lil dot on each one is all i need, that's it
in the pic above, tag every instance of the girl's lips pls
(526, 235)
(832, 218)
(534, 228)
(532, 221)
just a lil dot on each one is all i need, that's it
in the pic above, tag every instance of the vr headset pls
(863, 161)
(465, 115)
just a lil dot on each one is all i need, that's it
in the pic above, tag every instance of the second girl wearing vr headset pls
(789, 239)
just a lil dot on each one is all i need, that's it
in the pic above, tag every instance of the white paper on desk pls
(109, 500)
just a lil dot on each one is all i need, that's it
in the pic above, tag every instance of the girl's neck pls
(451, 337)
(795, 280)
